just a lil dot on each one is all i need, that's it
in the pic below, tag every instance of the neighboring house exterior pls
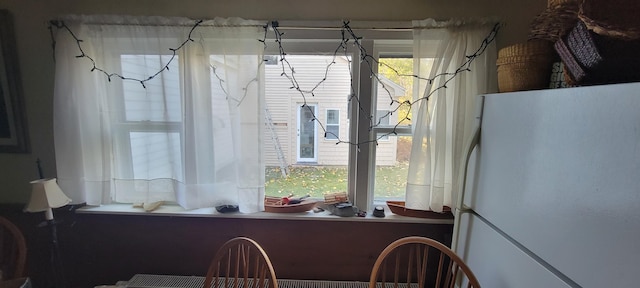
(307, 144)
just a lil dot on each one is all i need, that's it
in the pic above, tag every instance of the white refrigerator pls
(552, 194)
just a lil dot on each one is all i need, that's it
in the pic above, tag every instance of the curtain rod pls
(337, 25)
(407, 25)
(161, 21)
(287, 27)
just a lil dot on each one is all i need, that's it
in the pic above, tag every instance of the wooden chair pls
(13, 251)
(420, 262)
(241, 262)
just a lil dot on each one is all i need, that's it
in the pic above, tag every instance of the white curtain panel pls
(443, 123)
(190, 134)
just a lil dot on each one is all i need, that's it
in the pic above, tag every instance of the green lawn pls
(319, 180)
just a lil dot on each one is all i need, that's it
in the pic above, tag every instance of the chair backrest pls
(420, 262)
(241, 262)
(13, 251)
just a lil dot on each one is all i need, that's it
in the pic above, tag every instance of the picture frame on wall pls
(13, 124)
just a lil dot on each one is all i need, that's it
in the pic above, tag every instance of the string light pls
(62, 25)
(288, 71)
(348, 35)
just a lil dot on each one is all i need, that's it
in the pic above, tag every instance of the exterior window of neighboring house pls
(333, 124)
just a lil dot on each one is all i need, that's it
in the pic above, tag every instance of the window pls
(148, 113)
(235, 114)
(305, 95)
(207, 119)
(149, 137)
(333, 124)
(373, 169)
(315, 167)
(394, 124)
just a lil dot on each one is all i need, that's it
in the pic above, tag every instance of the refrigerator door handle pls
(462, 177)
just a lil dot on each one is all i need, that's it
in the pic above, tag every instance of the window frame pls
(399, 48)
(122, 135)
(376, 42)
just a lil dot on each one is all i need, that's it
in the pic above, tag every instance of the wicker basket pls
(525, 66)
(552, 3)
(612, 18)
(555, 21)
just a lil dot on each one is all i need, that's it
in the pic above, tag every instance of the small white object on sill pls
(149, 207)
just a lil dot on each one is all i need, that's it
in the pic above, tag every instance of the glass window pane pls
(159, 99)
(333, 117)
(307, 133)
(156, 155)
(382, 118)
(297, 102)
(221, 73)
(393, 128)
(333, 124)
(333, 132)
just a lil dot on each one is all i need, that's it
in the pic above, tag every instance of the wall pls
(37, 67)
(104, 249)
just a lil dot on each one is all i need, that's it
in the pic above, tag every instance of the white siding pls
(283, 103)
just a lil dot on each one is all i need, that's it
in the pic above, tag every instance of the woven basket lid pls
(552, 3)
(555, 21)
(613, 18)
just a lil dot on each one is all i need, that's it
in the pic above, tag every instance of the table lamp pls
(46, 194)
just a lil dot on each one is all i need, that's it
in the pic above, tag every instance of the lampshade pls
(46, 194)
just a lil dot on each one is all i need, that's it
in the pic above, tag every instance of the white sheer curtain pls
(190, 134)
(442, 124)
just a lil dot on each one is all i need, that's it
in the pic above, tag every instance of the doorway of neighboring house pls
(307, 140)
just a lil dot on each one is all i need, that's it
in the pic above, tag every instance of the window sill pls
(175, 210)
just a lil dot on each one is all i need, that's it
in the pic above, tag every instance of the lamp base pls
(57, 275)
(49, 223)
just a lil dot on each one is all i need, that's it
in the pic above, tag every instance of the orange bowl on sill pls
(397, 207)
